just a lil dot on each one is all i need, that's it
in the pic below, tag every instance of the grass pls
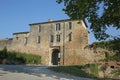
(116, 72)
(86, 71)
(94, 69)
(73, 70)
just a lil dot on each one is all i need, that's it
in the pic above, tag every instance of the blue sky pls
(16, 15)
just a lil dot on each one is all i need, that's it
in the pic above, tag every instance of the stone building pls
(57, 42)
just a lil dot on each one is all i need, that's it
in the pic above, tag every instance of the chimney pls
(49, 20)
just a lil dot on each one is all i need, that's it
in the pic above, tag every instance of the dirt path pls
(20, 72)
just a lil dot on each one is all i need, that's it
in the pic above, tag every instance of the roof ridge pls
(50, 21)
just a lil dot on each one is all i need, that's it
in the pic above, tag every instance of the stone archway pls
(55, 59)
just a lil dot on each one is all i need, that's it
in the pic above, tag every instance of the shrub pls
(12, 57)
(3, 53)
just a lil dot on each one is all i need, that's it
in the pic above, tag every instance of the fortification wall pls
(72, 57)
(86, 56)
(38, 41)
(5, 43)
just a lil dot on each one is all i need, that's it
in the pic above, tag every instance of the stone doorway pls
(55, 57)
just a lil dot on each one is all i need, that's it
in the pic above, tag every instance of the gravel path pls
(20, 72)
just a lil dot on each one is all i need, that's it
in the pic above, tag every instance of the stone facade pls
(5, 42)
(57, 42)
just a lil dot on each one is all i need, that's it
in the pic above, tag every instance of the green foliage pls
(4, 50)
(3, 53)
(94, 69)
(102, 14)
(74, 70)
(116, 56)
(113, 45)
(116, 72)
(110, 45)
(107, 55)
(13, 57)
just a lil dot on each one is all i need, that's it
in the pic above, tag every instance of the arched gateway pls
(55, 57)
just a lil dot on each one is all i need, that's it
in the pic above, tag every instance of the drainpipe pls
(64, 44)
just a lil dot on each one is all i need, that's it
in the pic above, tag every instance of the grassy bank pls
(78, 70)
(12, 57)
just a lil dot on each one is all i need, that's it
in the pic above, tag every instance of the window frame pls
(57, 38)
(70, 37)
(17, 38)
(38, 40)
(51, 38)
(39, 28)
(57, 27)
(70, 25)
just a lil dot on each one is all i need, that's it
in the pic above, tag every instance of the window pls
(26, 40)
(17, 38)
(58, 38)
(51, 38)
(70, 25)
(70, 37)
(57, 27)
(38, 39)
(39, 28)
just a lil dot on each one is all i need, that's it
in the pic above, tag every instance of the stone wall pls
(5, 43)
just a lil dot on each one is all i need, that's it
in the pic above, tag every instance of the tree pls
(102, 14)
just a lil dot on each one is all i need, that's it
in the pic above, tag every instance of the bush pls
(12, 57)
(3, 53)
